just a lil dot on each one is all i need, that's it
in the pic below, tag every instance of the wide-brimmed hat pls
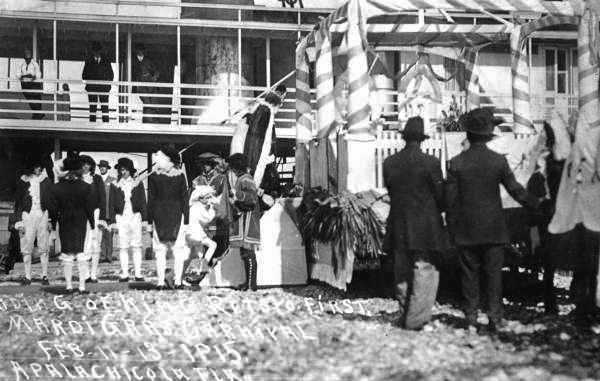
(126, 163)
(104, 163)
(172, 154)
(238, 162)
(72, 162)
(414, 129)
(208, 158)
(480, 121)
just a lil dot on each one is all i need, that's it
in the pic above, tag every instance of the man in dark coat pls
(475, 216)
(72, 206)
(106, 246)
(144, 70)
(97, 68)
(415, 226)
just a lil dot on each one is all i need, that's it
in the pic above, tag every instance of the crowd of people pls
(86, 209)
(430, 214)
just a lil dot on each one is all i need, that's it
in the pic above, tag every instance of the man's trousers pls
(473, 260)
(586, 247)
(130, 236)
(36, 227)
(416, 288)
(94, 99)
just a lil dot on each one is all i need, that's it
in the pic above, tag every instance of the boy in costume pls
(128, 210)
(245, 233)
(31, 216)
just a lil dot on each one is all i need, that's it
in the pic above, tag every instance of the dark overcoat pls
(168, 203)
(415, 185)
(475, 213)
(72, 206)
(101, 71)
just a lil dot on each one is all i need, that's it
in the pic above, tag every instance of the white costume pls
(200, 216)
(130, 230)
(93, 237)
(35, 223)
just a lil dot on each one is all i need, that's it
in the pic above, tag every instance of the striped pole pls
(303, 117)
(472, 78)
(358, 77)
(324, 83)
(520, 83)
(578, 198)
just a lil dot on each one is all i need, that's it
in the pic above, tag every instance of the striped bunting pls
(324, 83)
(578, 198)
(303, 108)
(472, 78)
(520, 82)
(358, 75)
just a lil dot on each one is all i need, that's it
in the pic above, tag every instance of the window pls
(559, 70)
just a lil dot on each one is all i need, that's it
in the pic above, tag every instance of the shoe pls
(45, 281)
(242, 287)
(83, 292)
(139, 279)
(26, 282)
(91, 280)
(178, 287)
(495, 325)
(193, 280)
(124, 280)
(161, 287)
(71, 291)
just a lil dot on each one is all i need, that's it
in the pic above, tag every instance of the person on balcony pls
(30, 77)
(168, 213)
(31, 216)
(145, 71)
(475, 216)
(128, 210)
(98, 68)
(72, 207)
(93, 236)
(106, 246)
(415, 228)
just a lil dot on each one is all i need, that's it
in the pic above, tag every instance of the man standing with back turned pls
(415, 227)
(475, 217)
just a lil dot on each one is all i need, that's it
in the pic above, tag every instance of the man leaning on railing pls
(30, 74)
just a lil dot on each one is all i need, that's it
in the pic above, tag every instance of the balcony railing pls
(177, 105)
(182, 106)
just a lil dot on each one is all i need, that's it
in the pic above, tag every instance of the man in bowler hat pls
(475, 216)
(97, 68)
(415, 227)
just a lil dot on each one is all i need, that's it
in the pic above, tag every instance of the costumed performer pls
(202, 213)
(31, 216)
(168, 213)
(128, 210)
(93, 237)
(72, 206)
(245, 233)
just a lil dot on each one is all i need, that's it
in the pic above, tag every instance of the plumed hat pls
(172, 154)
(238, 162)
(72, 162)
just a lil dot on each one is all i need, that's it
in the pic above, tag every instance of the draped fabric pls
(579, 192)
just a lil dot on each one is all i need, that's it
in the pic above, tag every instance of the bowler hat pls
(414, 129)
(96, 47)
(104, 163)
(172, 154)
(125, 163)
(480, 121)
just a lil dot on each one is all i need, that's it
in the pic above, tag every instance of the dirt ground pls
(129, 332)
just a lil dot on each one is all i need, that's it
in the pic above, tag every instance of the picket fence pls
(390, 142)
